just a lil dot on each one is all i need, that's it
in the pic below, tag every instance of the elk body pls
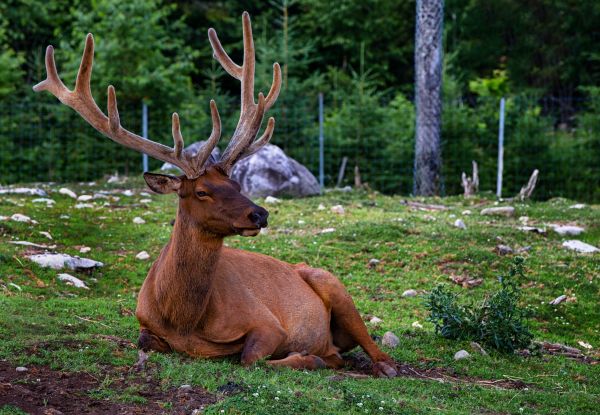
(208, 300)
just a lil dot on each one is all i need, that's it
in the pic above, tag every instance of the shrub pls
(498, 321)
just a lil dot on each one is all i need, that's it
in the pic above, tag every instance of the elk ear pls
(162, 183)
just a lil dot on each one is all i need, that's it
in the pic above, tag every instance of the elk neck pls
(185, 274)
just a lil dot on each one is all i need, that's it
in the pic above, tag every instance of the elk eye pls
(201, 194)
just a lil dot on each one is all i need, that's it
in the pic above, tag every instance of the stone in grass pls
(21, 369)
(503, 250)
(461, 354)
(143, 256)
(409, 293)
(477, 347)
(579, 246)
(23, 191)
(85, 198)
(375, 320)
(567, 230)
(558, 300)
(71, 280)
(138, 221)
(389, 339)
(499, 211)
(58, 261)
(18, 217)
(67, 192)
(270, 200)
(339, 209)
(460, 224)
(373, 262)
(577, 206)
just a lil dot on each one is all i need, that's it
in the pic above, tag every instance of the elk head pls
(207, 197)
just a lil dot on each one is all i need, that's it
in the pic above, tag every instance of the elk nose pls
(259, 217)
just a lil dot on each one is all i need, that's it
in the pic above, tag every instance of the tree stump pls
(470, 184)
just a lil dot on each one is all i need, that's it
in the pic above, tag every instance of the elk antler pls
(81, 100)
(243, 143)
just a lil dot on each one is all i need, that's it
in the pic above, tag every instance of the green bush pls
(498, 321)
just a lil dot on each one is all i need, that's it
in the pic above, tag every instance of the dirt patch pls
(360, 366)
(41, 390)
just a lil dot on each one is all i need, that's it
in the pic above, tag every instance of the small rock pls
(114, 179)
(58, 261)
(71, 280)
(416, 325)
(466, 212)
(345, 189)
(577, 206)
(142, 256)
(48, 202)
(270, 200)
(373, 262)
(499, 211)
(23, 191)
(185, 387)
(64, 216)
(46, 234)
(460, 224)
(127, 192)
(327, 230)
(85, 249)
(27, 243)
(477, 347)
(301, 222)
(532, 229)
(579, 246)
(558, 300)
(567, 230)
(67, 192)
(524, 249)
(84, 206)
(21, 369)
(339, 209)
(503, 250)
(389, 339)
(18, 217)
(409, 293)
(146, 201)
(524, 219)
(585, 345)
(375, 320)
(145, 194)
(461, 354)
(99, 196)
(138, 221)
(85, 198)
(321, 206)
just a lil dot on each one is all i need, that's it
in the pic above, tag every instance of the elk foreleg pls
(347, 325)
(262, 342)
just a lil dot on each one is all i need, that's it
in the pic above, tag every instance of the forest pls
(543, 56)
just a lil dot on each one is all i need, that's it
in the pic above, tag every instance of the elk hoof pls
(385, 369)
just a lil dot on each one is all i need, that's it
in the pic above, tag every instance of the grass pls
(46, 322)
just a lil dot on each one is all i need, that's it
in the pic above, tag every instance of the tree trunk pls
(428, 85)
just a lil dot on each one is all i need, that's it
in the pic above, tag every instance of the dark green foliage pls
(498, 321)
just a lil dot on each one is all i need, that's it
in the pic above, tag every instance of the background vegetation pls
(543, 55)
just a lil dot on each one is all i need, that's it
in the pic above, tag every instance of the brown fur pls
(208, 300)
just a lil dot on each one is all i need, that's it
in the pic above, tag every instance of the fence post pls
(321, 145)
(500, 150)
(144, 134)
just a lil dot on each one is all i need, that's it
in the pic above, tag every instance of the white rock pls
(18, 217)
(585, 345)
(504, 249)
(46, 234)
(142, 256)
(71, 280)
(21, 369)
(339, 209)
(460, 224)
(270, 200)
(65, 217)
(85, 249)
(466, 212)
(146, 201)
(327, 230)
(26, 243)
(99, 196)
(85, 198)
(409, 293)
(579, 246)
(531, 229)
(524, 219)
(138, 221)
(84, 206)
(567, 230)
(58, 261)
(461, 354)
(23, 191)
(127, 193)
(114, 179)
(67, 192)
(373, 262)
(499, 211)
(301, 222)
(375, 320)
(145, 194)
(389, 339)
(321, 206)
(577, 206)
(45, 200)
(416, 325)
(558, 300)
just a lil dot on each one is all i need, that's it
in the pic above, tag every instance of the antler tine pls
(52, 83)
(177, 137)
(275, 87)
(262, 140)
(206, 150)
(84, 75)
(249, 64)
(222, 57)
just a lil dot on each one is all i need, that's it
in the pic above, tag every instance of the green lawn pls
(50, 324)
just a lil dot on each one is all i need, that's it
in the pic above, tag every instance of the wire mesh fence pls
(46, 141)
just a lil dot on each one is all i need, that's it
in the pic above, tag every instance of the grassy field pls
(80, 341)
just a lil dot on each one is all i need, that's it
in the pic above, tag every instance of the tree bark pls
(428, 83)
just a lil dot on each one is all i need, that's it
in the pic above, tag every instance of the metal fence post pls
(321, 145)
(145, 134)
(500, 150)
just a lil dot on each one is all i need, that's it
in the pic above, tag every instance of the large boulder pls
(194, 147)
(270, 172)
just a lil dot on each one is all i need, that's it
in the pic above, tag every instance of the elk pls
(201, 297)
